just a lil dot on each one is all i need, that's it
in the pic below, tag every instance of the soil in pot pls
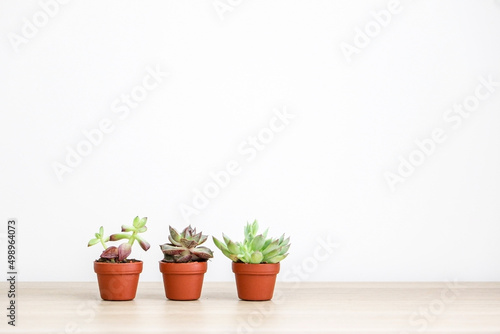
(183, 281)
(118, 281)
(255, 281)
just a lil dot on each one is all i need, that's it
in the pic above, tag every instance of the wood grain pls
(296, 308)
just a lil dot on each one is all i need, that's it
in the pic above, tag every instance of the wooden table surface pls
(296, 308)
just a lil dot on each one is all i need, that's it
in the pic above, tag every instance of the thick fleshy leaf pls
(268, 241)
(265, 233)
(92, 242)
(272, 246)
(124, 251)
(233, 247)
(177, 243)
(171, 249)
(203, 239)
(142, 222)
(284, 249)
(143, 243)
(285, 242)
(226, 238)
(273, 253)
(197, 237)
(128, 228)
(248, 232)
(142, 229)
(110, 253)
(168, 258)
(219, 244)
(188, 243)
(136, 221)
(174, 234)
(255, 227)
(277, 259)
(256, 257)
(183, 258)
(188, 232)
(202, 252)
(101, 231)
(119, 236)
(258, 242)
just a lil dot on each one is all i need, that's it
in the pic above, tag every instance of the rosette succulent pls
(185, 246)
(130, 232)
(256, 248)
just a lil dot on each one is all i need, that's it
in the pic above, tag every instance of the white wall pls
(322, 176)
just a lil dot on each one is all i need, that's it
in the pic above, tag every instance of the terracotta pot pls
(183, 281)
(118, 281)
(255, 281)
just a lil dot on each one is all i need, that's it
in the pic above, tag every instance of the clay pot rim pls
(256, 268)
(104, 268)
(188, 268)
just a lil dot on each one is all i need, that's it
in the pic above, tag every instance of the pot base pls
(118, 281)
(183, 281)
(255, 282)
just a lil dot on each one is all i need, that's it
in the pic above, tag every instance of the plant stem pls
(132, 238)
(103, 244)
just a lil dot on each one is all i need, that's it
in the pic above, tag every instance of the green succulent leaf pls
(128, 228)
(177, 243)
(101, 231)
(256, 257)
(226, 238)
(255, 227)
(273, 253)
(218, 244)
(258, 242)
(142, 222)
(92, 242)
(137, 221)
(284, 249)
(272, 246)
(174, 234)
(119, 236)
(277, 259)
(233, 247)
(142, 229)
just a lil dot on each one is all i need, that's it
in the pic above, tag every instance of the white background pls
(323, 175)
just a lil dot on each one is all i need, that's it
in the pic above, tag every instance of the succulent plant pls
(121, 253)
(255, 248)
(185, 246)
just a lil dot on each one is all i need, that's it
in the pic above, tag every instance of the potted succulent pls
(184, 264)
(118, 275)
(256, 261)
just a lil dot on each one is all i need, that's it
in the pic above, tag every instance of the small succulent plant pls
(120, 254)
(255, 248)
(185, 246)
